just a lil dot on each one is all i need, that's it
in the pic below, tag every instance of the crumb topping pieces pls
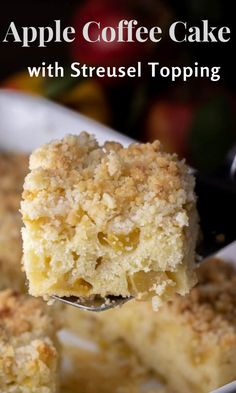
(110, 175)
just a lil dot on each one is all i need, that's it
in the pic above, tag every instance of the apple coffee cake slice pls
(108, 220)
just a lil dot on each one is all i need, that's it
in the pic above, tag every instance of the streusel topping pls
(117, 177)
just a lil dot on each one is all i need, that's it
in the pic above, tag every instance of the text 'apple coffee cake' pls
(191, 340)
(108, 220)
(28, 357)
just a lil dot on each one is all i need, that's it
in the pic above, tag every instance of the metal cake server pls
(96, 303)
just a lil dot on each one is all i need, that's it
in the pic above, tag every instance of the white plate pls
(26, 122)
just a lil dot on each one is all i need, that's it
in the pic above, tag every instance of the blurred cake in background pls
(190, 342)
(13, 169)
(28, 354)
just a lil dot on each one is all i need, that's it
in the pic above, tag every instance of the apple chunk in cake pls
(28, 357)
(108, 220)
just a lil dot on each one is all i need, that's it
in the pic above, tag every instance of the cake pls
(108, 220)
(191, 341)
(13, 169)
(97, 371)
(28, 356)
(11, 274)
